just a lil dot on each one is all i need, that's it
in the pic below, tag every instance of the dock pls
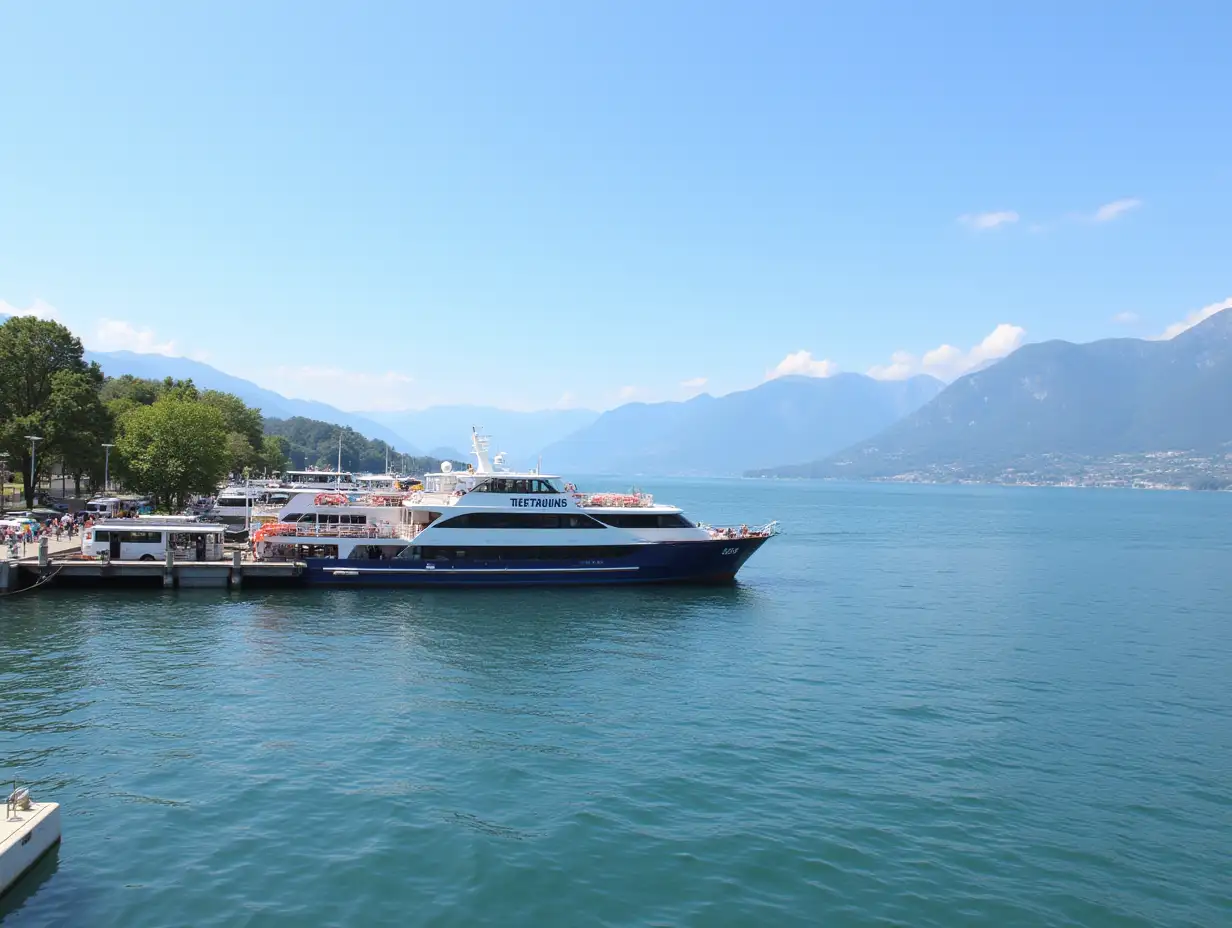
(59, 563)
(29, 830)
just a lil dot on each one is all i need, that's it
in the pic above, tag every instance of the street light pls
(34, 440)
(107, 467)
(4, 478)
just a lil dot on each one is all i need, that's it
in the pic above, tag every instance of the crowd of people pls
(30, 532)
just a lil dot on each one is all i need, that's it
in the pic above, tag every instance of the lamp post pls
(34, 440)
(4, 478)
(107, 467)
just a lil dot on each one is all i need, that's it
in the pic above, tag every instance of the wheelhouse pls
(319, 479)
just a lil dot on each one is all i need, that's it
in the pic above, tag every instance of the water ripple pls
(923, 707)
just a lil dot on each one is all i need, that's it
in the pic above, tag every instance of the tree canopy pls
(173, 449)
(48, 390)
(172, 440)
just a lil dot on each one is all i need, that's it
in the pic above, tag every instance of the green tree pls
(275, 453)
(44, 382)
(173, 449)
(130, 389)
(244, 430)
(81, 422)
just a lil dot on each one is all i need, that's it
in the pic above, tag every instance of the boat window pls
(521, 520)
(101, 534)
(500, 555)
(644, 520)
(293, 517)
(377, 552)
(520, 485)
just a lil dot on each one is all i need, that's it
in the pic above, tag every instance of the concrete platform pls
(184, 574)
(25, 836)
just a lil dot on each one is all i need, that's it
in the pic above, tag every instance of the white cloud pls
(568, 400)
(118, 335)
(802, 362)
(1110, 211)
(694, 385)
(1198, 315)
(946, 362)
(627, 394)
(40, 308)
(346, 389)
(1126, 318)
(985, 221)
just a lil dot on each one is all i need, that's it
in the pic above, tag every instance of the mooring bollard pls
(169, 570)
(237, 572)
(43, 551)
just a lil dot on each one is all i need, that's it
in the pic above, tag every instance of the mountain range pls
(439, 432)
(274, 405)
(445, 430)
(1109, 397)
(790, 417)
(1094, 400)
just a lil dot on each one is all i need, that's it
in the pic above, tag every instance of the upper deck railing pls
(741, 531)
(290, 531)
(634, 500)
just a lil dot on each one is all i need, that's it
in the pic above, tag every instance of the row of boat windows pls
(515, 485)
(645, 520)
(327, 518)
(520, 520)
(566, 520)
(495, 554)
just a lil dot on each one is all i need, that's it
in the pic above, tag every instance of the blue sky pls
(579, 203)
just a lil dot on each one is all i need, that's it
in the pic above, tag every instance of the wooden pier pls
(58, 563)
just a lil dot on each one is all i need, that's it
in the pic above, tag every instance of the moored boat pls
(488, 526)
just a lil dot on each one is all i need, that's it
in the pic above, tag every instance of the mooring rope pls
(44, 577)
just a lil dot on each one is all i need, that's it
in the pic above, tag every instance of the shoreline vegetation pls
(168, 440)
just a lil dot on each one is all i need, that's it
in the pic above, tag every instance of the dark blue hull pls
(714, 561)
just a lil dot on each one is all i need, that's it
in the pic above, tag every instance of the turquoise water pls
(921, 706)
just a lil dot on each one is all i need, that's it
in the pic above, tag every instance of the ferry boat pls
(341, 480)
(261, 500)
(489, 527)
(236, 504)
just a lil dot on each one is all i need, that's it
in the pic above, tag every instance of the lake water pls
(920, 706)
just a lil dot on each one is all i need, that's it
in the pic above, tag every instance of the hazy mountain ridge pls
(521, 435)
(1095, 400)
(799, 417)
(444, 430)
(271, 404)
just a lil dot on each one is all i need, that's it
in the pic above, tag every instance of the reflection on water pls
(33, 880)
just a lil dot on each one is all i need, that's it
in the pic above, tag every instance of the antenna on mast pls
(479, 448)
